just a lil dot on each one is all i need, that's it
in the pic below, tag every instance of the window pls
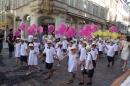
(85, 5)
(71, 2)
(61, 0)
(102, 13)
(3, 17)
(17, 3)
(96, 11)
(75, 3)
(88, 9)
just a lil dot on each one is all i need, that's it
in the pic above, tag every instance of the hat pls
(74, 39)
(84, 42)
(73, 47)
(88, 48)
(71, 41)
(30, 45)
(81, 39)
(17, 38)
(23, 39)
(45, 38)
(64, 37)
(111, 40)
(100, 39)
(93, 44)
(108, 41)
(49, 41)
(35, 38)
(59, 43)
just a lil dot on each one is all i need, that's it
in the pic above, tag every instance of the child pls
(36, 45)
(56, 43)
(50, 52)
(17, 45)
(69, 47)
(101, 48)
(106, 44)
(64, 44)
(23, 53)
(111, 52)
(59, 52)
(45, 46)
(82, 54)
(72, 63)
(88, 67)
(32, 60)
(94, 53)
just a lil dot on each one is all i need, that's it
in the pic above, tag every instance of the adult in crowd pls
(125, 47)
(10, 40)
(1, 41)
(39, 36)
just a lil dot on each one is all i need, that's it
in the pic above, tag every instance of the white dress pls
(72, 63)
(36, 47)
(17, 49)
(125, 52)
(59, 53)
(82, 57)
(32, 60)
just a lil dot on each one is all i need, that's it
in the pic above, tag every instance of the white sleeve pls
(25, 46)
(44, 50)
(89, 57)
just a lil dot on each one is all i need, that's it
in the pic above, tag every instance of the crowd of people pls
(84, 53)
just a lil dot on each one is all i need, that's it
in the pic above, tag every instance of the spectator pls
(1, 41)
(10, 39)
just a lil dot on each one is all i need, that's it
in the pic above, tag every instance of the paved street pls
(10, 76)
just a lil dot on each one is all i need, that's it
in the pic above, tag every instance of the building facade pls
(123, 17)
(74, 13)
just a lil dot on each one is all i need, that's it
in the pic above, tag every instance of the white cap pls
(84, 42)
(100, 38)
(17, 38)
(64, 37)
(49, 41)
(74, 39)
(59, 43)
(93, 43)
(88, 48)
(81, 39)
(31, 45)
(23, 39)
(73, 47)
(35, 38)
(112, 40)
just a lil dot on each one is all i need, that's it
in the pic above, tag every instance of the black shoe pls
(112, 63)
(108, 65)
(70, 81)
(90, 83)
(81, 83)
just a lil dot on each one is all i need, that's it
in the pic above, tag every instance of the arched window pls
(26, 19)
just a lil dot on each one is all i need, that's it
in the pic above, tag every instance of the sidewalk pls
(9, 75)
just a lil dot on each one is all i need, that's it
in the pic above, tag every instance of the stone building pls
(74, 13)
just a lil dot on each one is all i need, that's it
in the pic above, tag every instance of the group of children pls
(84, 54)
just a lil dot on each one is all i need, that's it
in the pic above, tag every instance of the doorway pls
(46, 22)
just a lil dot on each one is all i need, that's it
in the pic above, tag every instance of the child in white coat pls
(36, 45)
(17, 45)
(72, 63)
(59, 52)
(32, 59)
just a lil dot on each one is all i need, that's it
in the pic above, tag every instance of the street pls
(10, 76)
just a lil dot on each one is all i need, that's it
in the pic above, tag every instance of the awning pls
(80, 16)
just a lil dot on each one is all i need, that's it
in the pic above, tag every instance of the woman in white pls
(32, 60)
(36, 45)
(82, 54)
(72, 63)
(59, 52)
(17, 45)
(125, 47)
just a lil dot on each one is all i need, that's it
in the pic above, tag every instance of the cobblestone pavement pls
(10, 76)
